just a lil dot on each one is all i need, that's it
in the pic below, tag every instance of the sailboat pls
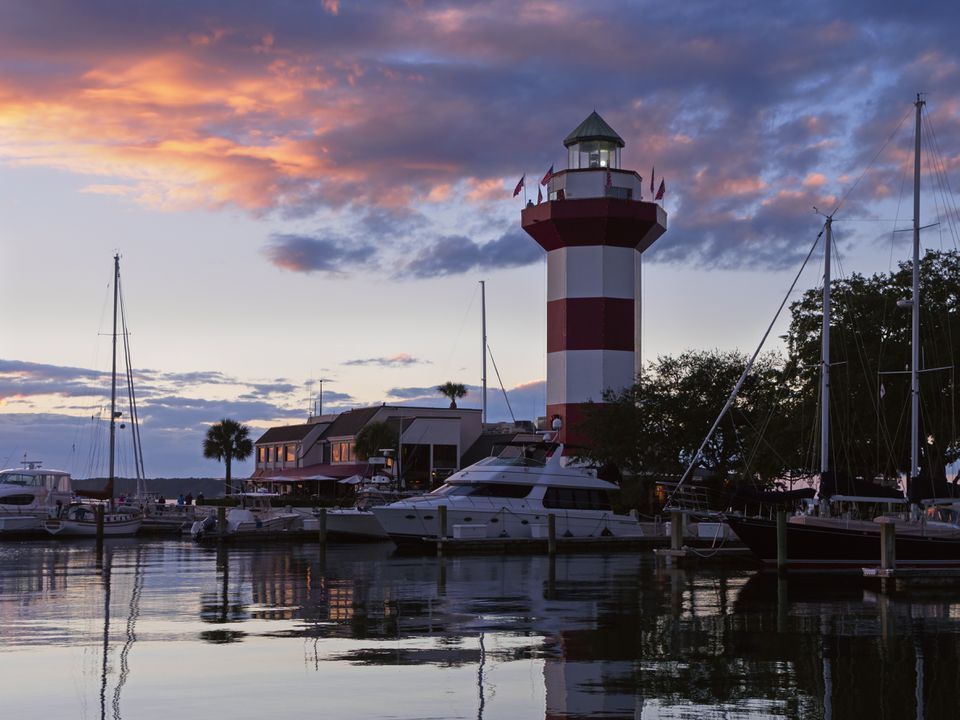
(928, 534)
(79, 519)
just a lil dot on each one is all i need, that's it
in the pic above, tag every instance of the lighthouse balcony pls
(595, 183)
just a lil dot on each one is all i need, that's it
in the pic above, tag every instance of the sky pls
(313, 190)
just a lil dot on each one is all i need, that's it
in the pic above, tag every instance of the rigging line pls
(456, 340)
(853, 187)
(746, 370)
(941, 165)
(506, 399)
(132, 395)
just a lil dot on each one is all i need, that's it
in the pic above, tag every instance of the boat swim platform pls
(531, 546)
(731, 554)
(213, 537)
(914, 577)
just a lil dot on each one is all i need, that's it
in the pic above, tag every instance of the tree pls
(870, 335)
(375, 437)
(653, 429)
(452, 390)
(227, 441)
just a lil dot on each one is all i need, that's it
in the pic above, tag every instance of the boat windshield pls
(500, 490)
(519, 456)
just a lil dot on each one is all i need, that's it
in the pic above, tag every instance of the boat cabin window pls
(576, 499)
(24, 479)
(17, 500)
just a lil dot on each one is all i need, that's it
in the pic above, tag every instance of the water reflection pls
(239, 629)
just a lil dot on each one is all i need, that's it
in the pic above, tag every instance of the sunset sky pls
(306, 190)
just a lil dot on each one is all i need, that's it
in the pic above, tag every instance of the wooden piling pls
(441, 527)
(676, 530)
(221, 521)
(323, 526)
(552, 534)
(782, 556)
(888, 543)
(98, 512)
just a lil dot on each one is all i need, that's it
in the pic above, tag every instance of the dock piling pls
(888, 543)
(782, 557)
(676, 530)
(221, 521)
(552, 534)
(98, 511)
(323, 526)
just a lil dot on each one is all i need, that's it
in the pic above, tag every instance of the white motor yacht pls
(30, 494)
(358, 523)
(511, 496)
(255, 516)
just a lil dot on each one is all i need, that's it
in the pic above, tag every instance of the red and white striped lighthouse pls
(594, 227)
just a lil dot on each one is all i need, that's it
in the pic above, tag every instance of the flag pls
(519, 187)
(651, 179)
(539, 195)
(548, 176)
(661, 190)
(609, 179)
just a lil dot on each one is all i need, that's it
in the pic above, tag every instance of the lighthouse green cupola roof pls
(592, 129)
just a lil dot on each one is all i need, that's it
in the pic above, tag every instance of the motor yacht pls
(512, 495)
(30, 494)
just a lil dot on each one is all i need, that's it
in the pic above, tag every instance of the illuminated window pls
(261, 454)
(291, 453)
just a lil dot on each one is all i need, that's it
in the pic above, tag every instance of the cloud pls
(302, 253)
(456, 254)
(398, 360)
(415, 110)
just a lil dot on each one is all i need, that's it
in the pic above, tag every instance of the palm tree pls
(452, 390)
(227, 440)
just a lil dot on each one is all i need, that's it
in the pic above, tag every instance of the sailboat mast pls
(113, 371)
(825, 355)
(915, 308)
(483, 329)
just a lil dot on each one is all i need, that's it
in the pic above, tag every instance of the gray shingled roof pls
(593, 128)
(285, 433)
(350, 422)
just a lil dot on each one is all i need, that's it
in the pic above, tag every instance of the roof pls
(285, 433)
(351, 422)
(593, 128)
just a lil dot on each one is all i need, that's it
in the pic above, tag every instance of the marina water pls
(152, 629)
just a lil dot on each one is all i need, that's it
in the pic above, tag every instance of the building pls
(310, 458)
(594, 227)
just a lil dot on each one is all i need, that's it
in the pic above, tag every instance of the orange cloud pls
(485, 190)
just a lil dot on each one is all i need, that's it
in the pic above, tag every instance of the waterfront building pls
(594, 226)
(312, 456)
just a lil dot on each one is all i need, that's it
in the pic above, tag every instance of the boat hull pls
(406, 524)
(354, 524)
(125, 527)
(840, 548)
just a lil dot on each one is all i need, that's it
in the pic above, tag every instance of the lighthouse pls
(594, 227)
